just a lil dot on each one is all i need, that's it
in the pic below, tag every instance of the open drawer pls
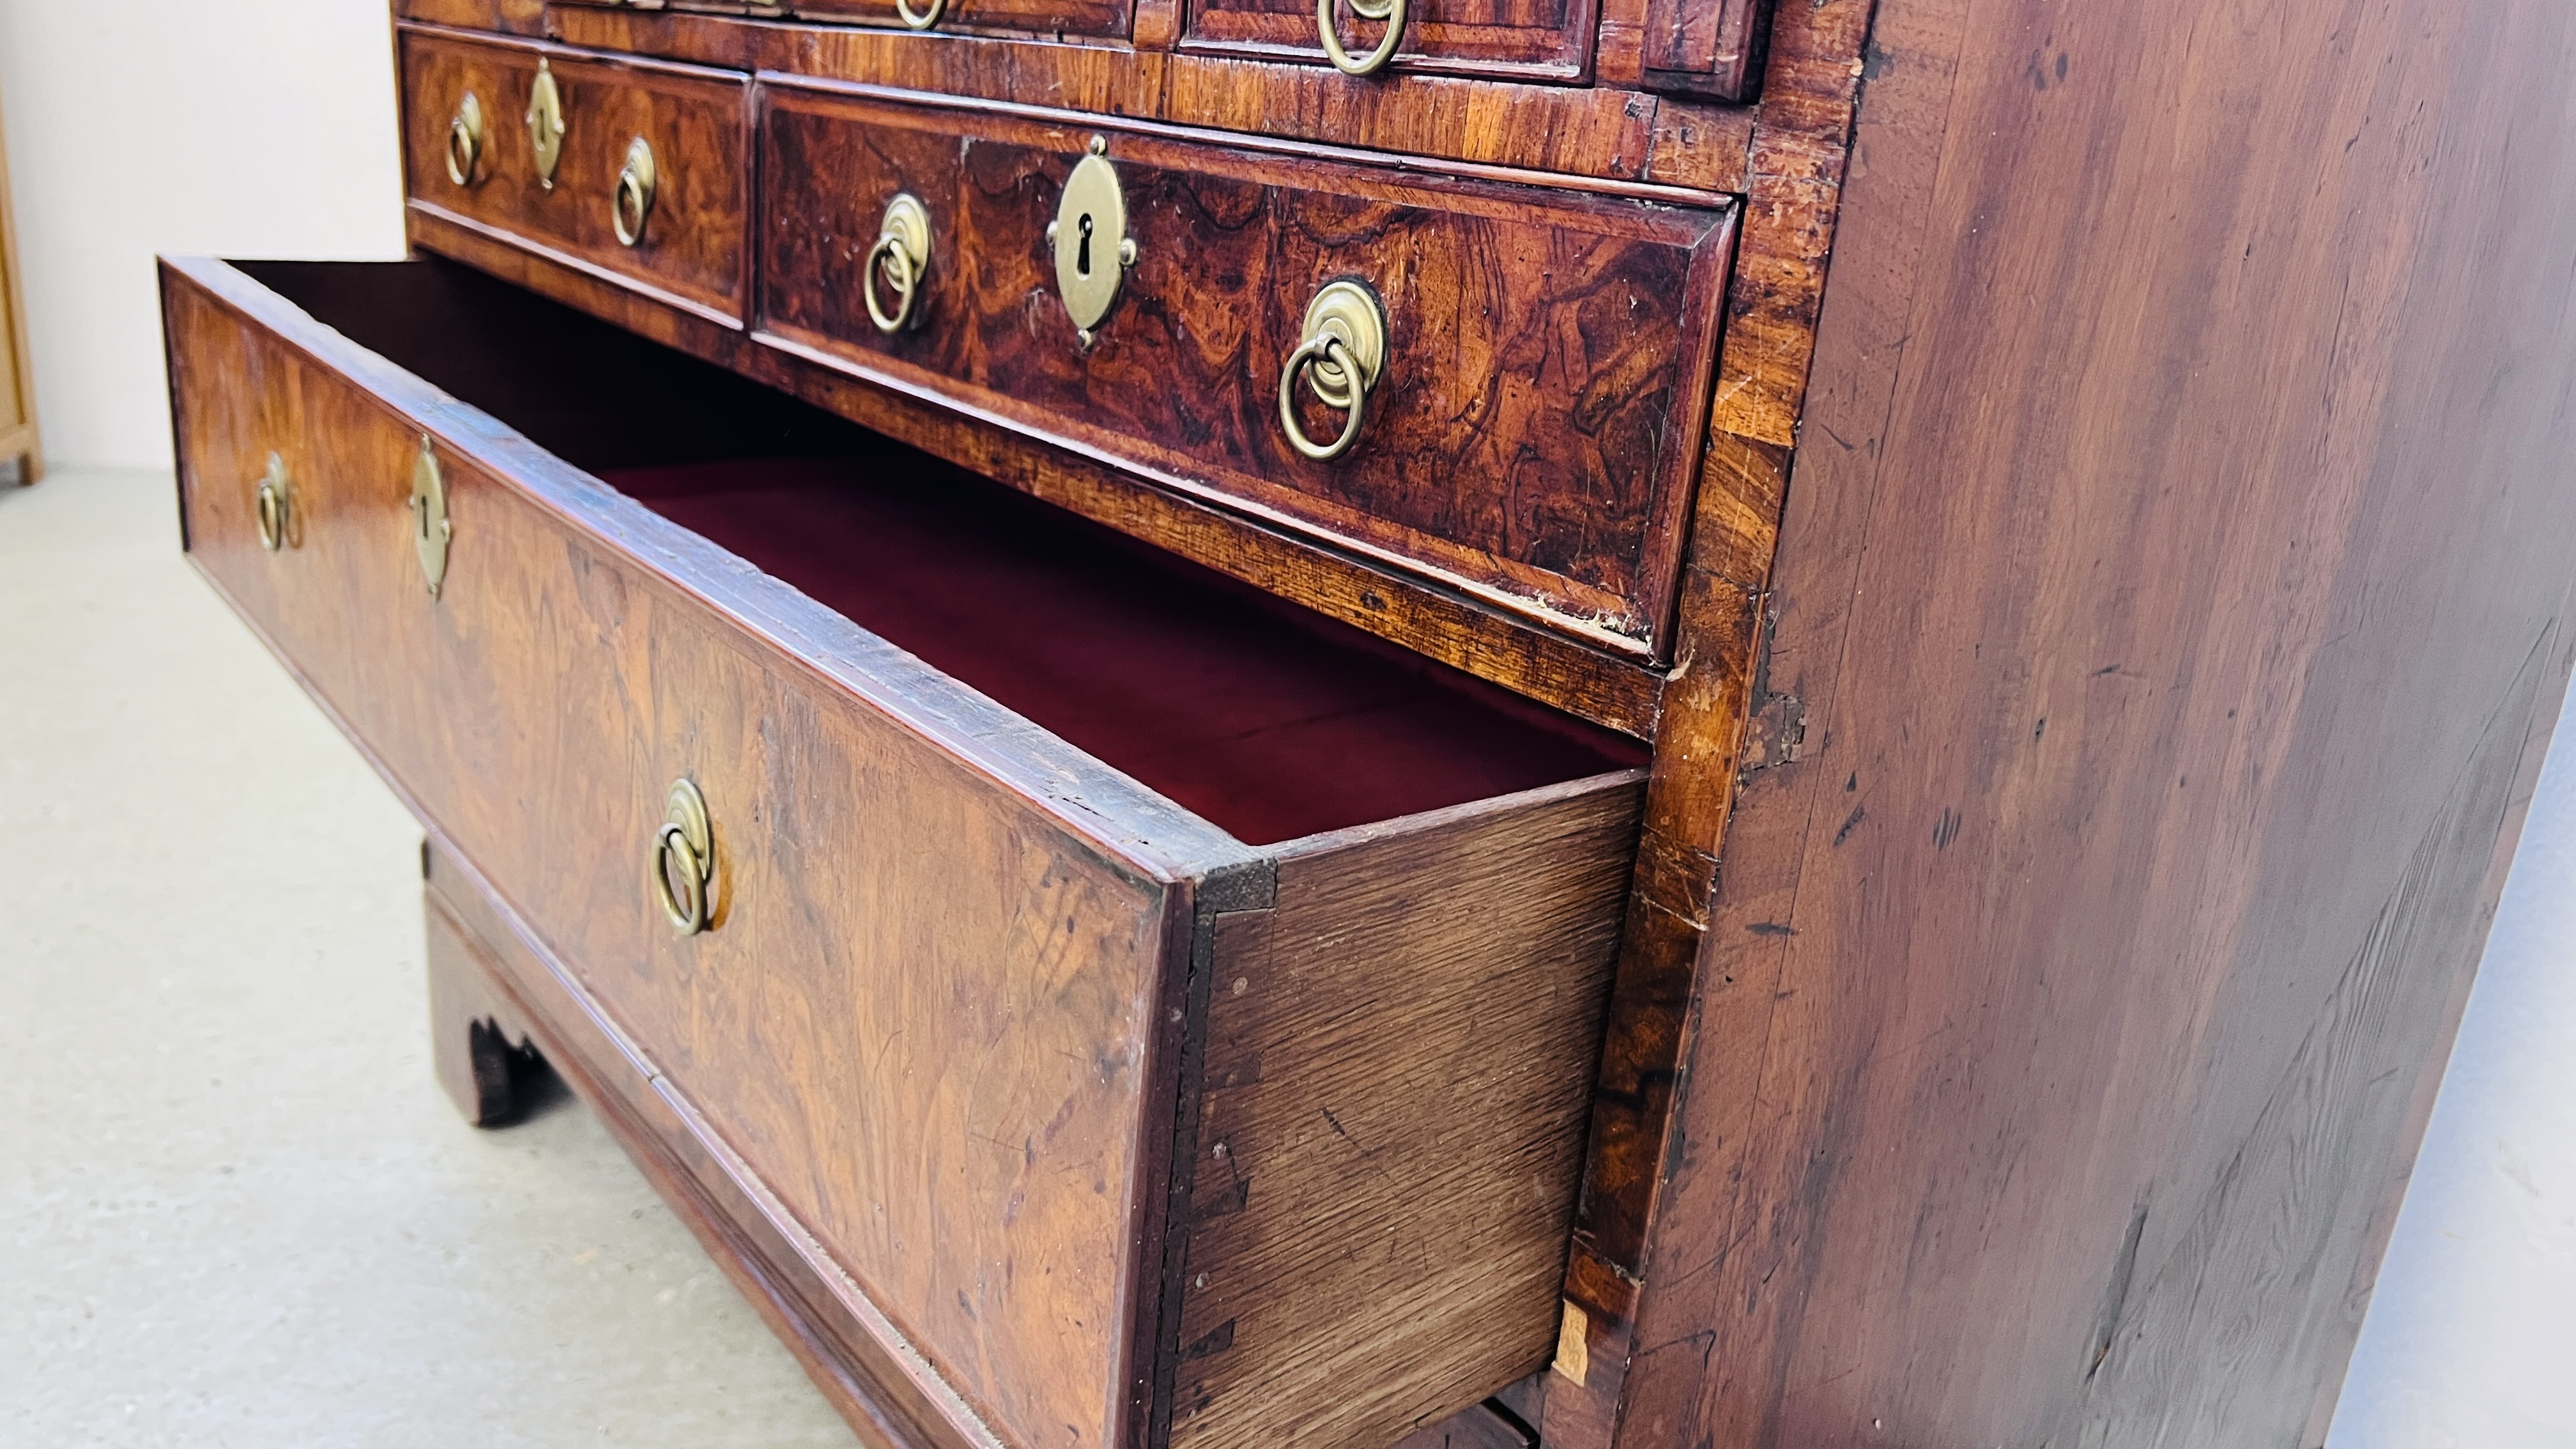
(1168, 1015)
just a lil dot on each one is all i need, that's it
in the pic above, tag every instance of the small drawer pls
(632, 170)
(1528, 40)
(1100, 19)
(1533, 431)
(1174, 1015)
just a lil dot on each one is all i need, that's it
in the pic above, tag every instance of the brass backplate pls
(546, 123)
(690, 905)
(431, 529)
(1350, 309)
(686, 807)
(1089, 233)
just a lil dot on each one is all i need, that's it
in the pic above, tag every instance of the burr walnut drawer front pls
(628, 169)
(1172, 1014)
(1537, 362)
(1108, 19)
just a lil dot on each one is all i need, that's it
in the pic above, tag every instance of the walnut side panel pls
(2175, 585)
(1397, 1059)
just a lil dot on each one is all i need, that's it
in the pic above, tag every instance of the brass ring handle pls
(683, 864)
(1391, 11)
(889, 255)
(270, 502)
(685, 903)
(903, 253)
(920, 20)
(1327, 350)
(634, 199)
(465, 140)
(1340, 358)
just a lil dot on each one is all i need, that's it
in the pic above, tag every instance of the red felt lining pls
(1267, 719)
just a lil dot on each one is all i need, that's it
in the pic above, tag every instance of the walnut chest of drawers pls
(1136, 688)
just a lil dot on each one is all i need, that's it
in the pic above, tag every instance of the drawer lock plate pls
(1092, 248)
(546, 124)
(430, 528)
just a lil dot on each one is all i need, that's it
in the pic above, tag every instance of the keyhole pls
(1082, 255)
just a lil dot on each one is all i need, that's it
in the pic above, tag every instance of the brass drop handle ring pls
(920, 19)
(684, 860)
(465, 140)
(902, 252)
(271, 501)
(1340, 359)
(1392, 12)
(634, 199)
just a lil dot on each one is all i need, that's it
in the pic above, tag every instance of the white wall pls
(2471, 1338)
(267, 129)
(247, 128)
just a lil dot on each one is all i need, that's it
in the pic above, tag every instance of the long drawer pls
(1533, 431)
(1174, 1015)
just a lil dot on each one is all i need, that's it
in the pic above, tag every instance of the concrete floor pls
(235, 1210)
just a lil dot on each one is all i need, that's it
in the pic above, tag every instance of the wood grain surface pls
(508, 17)
(1520, 39)
(1107, 19)
(1486, 642)
(1710, 49)
(487, 969)
(693, 248)
(1582, 135)
(895, 1087)
(956, 979)
(1784, 154)
(1389, 1127)
(2174, 589)
(1532, 440)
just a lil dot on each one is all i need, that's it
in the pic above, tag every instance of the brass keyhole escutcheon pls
(902, 256)
(431, 529)
(1391, 12)
(1340, 357)
(920, 19)
(546, 123)
(683, 864)
(273, 503)
(1092, 214)
(633, 200)
(465, 140)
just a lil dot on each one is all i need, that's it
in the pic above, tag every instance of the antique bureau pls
(1138, 689)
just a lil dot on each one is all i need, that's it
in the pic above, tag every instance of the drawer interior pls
(1268, 720)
